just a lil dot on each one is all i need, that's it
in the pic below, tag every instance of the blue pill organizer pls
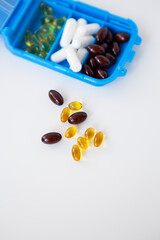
(17, 16)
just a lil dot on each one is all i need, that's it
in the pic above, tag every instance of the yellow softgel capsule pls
(59, 22)
(89, 133)
(76, 153)
(40, 36)
(82, 143)
(71, 132)
(98, 139)
(65, 114)
(29, 38)
(46, 10)
(48, 29)
(75, 105)
(48, 19)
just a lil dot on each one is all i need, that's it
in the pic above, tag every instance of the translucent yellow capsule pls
(76, 153)
(98, 139)
(51, 39)
(47, 19)
(42, 54)
(34, 49)
(48, 29)
(29, 38)
(44, 46)
(46, 10)
(40, 36)
(75, 105)
(82, 143)
(65, 114)
(89, 133)
(59, 22)
(70, 132)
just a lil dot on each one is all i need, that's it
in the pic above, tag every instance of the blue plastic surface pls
(27, 15)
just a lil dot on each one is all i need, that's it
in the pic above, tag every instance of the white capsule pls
(89, 29)
(82, 52)
(68, 32)
(58, 56)
(81, 22)
(73, 59)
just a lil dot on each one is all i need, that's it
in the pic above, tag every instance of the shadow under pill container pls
(18, 16)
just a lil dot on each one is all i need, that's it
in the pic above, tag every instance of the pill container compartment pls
(17, 16)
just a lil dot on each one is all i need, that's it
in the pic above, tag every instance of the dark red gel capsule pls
(109, 38)
(77, 118)
(101, 35)
(115, 49)
(102, 61)
(101, 73)
(95, 49)
(111, 57)
(56, 97)
(88, 70)
(121, 37)
(92, 62)
(51, 138)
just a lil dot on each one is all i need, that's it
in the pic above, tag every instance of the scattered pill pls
(51, 138)
(101, 35)
(77, 118)
(102, 61)
(56, 97)
(82, 52)
(111, 57)
(71, 132)
(46, 10)
(115, 49)
(101, 73)
(34, 49)
(29, 38)
(121, 37)
(75, 105)
(65, 114)
(95, 49)
(98, 139)
(81, 22)
(44, 46)
(47, 19)
(68, 32)
(88, 70)
(48, 29)
(40, 36)
(59, 56)
(89, 29)
(76, 153)
(73, 59)
(109, 38)
(89, 133)
(82, 143)
(59, 22)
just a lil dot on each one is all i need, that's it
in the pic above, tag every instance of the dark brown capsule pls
(101, 35)
(88, 70)
(109, 38)
(101, 73)
(105, 46)
(77, 118)
(111, 57)
(121, 37)
(51, 138)
(95, 49)
(102, 61)
(115, 49)
(92, 62)
(56, 97)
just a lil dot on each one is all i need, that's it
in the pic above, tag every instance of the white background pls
(114, 192)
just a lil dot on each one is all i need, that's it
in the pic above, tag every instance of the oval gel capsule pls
(98, 139)
(68, 32)
(82, 143)
(76, 153)
(75, 105)
(65, 114)
(59, 56)
(73, 59)
(71, 132)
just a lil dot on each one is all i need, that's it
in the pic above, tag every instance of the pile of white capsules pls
(75, 37)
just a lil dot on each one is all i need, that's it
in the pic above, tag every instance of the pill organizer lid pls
(6, 10)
